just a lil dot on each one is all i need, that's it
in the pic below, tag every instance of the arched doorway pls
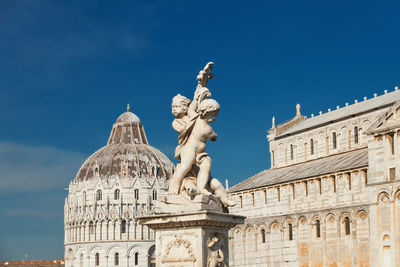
(152, 256)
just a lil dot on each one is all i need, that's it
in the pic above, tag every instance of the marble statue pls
(192, 122)
(192, 221)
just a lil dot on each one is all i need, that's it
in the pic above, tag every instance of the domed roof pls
(127, 154)
(128, 117)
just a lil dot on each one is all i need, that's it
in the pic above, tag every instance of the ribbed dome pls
(128, 117)
(127, 154)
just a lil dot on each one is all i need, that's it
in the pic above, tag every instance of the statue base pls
(183, 203)
(194, 239)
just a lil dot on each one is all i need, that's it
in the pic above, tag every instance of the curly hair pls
(182, 100)
(208, 105)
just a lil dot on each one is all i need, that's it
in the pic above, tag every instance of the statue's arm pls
(213, 136)
(178, 126)
(192, 110)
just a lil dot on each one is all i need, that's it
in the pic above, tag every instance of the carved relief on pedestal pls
(216, 251)
(179, 252)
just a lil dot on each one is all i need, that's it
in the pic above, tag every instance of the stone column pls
(106, 258)
(135, 229)
(113, 229)
(192, 239)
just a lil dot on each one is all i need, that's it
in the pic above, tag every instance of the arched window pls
(347, 225)
(355, 135)
(116, 258)
(154, 194)
(136, 193)
(116, 194)
(334, 142)
(348, 175)
(293, 191)
(123, 226)
(391, 141)
(262, 236)
(291, 152)
(97, 259)
(91, 228)
(278, 193)
(365, 174)
(265, 196)
(98, 195)
(137, 258)
(312, 146)
(96, 172)
(290, 231)
(318, 228)
(319, 184)
(306, 187)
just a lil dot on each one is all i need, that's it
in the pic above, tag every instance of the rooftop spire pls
(128, 108)
(298, 110)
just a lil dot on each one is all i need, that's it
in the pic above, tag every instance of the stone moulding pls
(195, 219)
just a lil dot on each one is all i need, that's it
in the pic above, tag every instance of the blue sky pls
(68, 69)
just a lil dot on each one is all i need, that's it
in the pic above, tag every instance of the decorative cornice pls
(202, 218)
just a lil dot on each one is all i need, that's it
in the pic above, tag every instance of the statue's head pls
(209, 109)
(180, 105)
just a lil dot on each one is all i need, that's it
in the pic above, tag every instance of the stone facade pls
(114, 186)
(332, 194)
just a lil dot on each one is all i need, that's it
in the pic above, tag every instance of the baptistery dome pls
(127, 154)
(115, 185)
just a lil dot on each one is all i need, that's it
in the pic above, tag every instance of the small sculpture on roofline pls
(192, 122)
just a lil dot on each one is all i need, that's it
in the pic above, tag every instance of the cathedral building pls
(115, 185)
(332, 194)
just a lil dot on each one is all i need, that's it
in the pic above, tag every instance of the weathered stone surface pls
(192, 239)
(183, 203)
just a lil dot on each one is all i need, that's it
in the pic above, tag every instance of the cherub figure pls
(217, 257)
(195, 162)
(193, 134)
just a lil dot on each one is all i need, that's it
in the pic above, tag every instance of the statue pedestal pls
(195, 239)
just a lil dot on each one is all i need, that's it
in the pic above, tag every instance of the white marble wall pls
(369, 197)
(82, 209)
(322, 139)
